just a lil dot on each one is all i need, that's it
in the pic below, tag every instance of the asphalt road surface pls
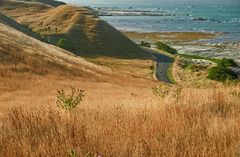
(163, 64)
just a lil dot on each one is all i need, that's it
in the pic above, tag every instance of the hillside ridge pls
(22, 54)
(88, 34)
(47, 2)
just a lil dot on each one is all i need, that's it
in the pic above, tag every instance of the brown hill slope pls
(89, 35)
(11, 23)
(21, 54)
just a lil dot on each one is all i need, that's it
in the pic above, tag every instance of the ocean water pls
(175, 16)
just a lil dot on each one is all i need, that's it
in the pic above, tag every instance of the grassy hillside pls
(11, 23)
(88, 34)
(21, 54)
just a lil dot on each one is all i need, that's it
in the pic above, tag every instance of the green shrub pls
(167, 89)
(64, 44)
(71, 101)
(166, 48)
(73, 153)
(145, 44)
(221, 73)
(227, 63)
(196, 68)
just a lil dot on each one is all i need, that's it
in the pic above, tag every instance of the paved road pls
(163, 64)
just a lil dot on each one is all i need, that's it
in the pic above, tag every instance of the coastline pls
(192, 43)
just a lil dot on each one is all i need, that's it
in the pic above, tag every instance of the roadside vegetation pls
(164, 47)
(145, 44)
(219, 72)
(197, 57)
(170, 74)
(226, 63)
(222, 62)
(222, 72)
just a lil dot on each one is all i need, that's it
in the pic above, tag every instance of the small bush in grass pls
(71, 101)
(64, 44)
(167, 90)
(73, 153)
(145, 44)
(166, 48)
(220, 73)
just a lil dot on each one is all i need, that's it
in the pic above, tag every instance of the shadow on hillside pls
(102, 40)
(92, 52)
(12, 23)
(88, 35)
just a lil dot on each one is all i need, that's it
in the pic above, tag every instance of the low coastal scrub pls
(64, 44)
(227, 63)
(164, 47)
(181, 123)
(198, 57)
(221, 73)
(220, 62)
(145, 44)
(188, 65)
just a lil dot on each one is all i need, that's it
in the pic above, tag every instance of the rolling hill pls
(21, 54)
(88, 35)
(11, 23)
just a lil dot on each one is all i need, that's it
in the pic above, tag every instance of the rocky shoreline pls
(215, 50)
(195, 43)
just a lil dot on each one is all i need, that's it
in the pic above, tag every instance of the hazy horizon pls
(143, 2)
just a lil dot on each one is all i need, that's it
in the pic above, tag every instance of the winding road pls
(163, 64)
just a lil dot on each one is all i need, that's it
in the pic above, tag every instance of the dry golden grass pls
(136, 68)
(28, 67)
(120, 116)
(201, 123)
(169, 36)
(22, 53)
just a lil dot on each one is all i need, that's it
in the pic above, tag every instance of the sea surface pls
(175, 16)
